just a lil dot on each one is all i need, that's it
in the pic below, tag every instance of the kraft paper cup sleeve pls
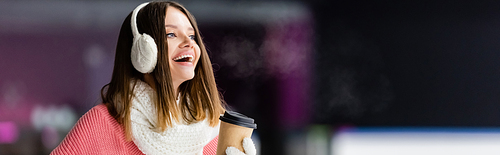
(233, 129)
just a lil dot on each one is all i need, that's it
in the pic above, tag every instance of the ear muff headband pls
(144, 51)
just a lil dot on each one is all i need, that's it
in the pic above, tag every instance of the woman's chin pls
(182, 76)
(188, 77)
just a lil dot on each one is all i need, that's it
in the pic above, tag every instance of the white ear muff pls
(144, 50)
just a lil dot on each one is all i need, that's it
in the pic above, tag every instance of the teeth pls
(184, 56)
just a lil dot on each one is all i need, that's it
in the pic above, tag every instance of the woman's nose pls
(186, 42)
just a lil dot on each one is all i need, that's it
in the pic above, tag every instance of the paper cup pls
(234, 128)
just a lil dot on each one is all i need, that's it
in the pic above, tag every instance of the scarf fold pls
(180, 138)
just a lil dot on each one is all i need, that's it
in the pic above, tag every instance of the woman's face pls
(183, 52)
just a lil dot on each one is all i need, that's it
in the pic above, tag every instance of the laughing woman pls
(162, 98)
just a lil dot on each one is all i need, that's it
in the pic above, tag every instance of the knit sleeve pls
(211, 147)
(96, 132)
(84, 137)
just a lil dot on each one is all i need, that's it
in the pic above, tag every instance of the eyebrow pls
(175, 27)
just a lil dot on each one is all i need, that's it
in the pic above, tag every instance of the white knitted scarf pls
(178, 139)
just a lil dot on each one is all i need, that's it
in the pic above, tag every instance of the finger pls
(233, 151)
(249, 146)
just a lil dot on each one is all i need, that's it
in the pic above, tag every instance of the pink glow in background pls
(9, 132)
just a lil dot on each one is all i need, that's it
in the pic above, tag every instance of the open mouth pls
(184, 58)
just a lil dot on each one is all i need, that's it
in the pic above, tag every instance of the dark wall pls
(422, 63)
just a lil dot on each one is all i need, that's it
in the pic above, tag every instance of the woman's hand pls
(248, 147)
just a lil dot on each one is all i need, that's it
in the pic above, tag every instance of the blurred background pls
(319, 77)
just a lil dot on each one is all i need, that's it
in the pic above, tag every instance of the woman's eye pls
(170, 35)
(192, 37)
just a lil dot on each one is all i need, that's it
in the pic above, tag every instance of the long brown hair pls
(205, 101)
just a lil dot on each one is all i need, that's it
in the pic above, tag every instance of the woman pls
(162, 98)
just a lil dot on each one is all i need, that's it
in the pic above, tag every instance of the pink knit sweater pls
(97, 132)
